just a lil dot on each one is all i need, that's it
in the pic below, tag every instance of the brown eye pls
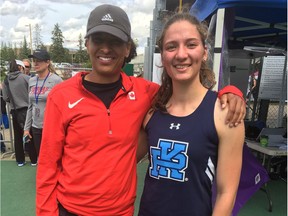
(97, 40)
(117, 42)
(191, 45)
(170, 47)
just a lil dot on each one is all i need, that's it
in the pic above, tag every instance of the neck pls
(43, 74)
(96, 78)
(185, 98)
(189, 91)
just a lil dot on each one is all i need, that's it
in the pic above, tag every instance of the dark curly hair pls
(132, 53)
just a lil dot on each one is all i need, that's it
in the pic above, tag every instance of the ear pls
(86, 41)
(128, 48)
(161, 55)
(205, 55)
(127, 54)
(87, 45)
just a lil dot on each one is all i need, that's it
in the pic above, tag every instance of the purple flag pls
(253, 176)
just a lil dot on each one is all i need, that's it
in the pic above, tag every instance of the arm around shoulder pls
(231, 97)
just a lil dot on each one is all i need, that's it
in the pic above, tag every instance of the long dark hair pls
(13, 66)
(207, 77)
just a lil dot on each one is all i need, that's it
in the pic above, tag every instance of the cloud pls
(37, 10)
(8, 7)
(71, 15)
(75, 1)
(139, 28)
(19, 1)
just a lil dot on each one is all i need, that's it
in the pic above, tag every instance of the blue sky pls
(72, 16)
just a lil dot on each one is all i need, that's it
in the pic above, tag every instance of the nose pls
(105, 46)
(181, 52)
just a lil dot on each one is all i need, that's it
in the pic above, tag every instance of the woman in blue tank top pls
(189, 144)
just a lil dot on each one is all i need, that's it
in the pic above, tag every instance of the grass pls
(18, 193)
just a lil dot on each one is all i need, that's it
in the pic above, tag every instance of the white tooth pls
(105, 59)
(180, 66)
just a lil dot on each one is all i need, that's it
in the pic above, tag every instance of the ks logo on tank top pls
(169, 160)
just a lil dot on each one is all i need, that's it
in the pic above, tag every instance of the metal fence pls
(275, 117)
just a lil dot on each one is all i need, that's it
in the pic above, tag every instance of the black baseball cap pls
(109, 19)
(40, 54)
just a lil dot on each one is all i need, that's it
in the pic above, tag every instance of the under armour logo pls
(177, 127)
(107, 17)
(131, 95)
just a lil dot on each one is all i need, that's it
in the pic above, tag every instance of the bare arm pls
(142, 148)
(231, 97)
(231, 140)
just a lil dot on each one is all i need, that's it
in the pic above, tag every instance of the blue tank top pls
(183, 157)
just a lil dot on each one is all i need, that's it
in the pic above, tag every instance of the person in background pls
(189, 143)
(87, 163)
(39, 88)
(3, 117)
(15, 91)
(28, 66)
(253, 90)
(21, 65)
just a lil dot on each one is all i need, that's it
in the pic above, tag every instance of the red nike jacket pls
(87, 160)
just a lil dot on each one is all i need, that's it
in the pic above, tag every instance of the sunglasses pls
(27, 66)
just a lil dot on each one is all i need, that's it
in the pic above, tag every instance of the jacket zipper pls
(110, 132)
(110, 128)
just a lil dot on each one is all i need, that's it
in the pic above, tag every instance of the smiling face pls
(107, 54)
(183, 51)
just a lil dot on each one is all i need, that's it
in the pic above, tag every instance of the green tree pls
(4, 52)
(57, 51)
(24, 51)
(3, 68)
(81, 54)
(16, 50)
(7, 52)
(38, 44)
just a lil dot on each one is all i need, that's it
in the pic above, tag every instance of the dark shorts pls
(64, 212)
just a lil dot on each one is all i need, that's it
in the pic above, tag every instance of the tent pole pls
(218, 46)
